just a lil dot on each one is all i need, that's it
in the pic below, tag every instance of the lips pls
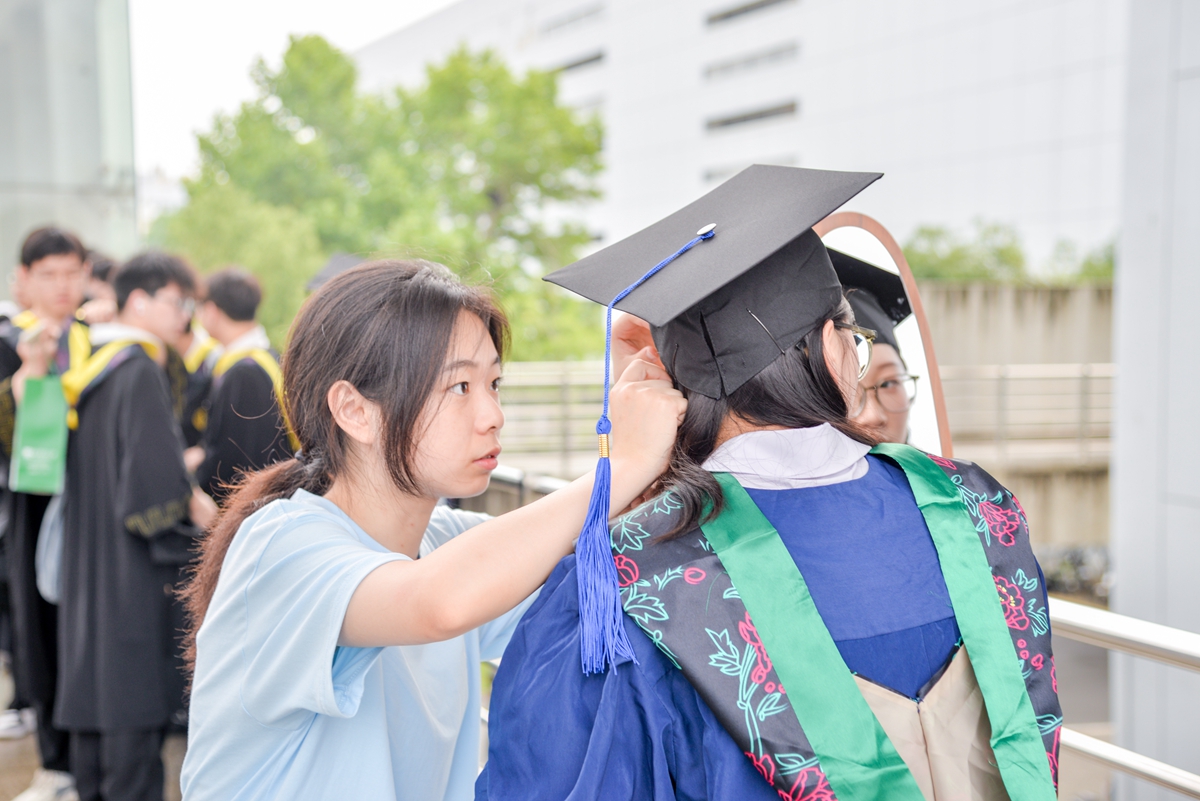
(489, 461)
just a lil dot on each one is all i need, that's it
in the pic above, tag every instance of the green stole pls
(858, 759)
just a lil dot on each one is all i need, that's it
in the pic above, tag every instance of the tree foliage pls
(477, 168)
(995, 254)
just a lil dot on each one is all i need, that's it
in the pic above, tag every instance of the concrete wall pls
(993, 324)
(1063, 484)
(1156, 498)
(66, 123)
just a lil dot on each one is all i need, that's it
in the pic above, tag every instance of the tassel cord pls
(602, 639)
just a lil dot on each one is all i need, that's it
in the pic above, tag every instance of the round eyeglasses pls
(864, 340)
(894, 395)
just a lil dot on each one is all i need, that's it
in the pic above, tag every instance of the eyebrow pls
(463, 363)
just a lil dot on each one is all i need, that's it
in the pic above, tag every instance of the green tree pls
(224, 225)
(475, 168)
(995, 254)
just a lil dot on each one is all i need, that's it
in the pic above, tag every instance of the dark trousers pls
(118, 766)
(35, 627)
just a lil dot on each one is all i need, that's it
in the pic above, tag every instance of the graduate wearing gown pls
(125, 539)
(853, 622)
(199, 358)
(245, 429)
(48, 256)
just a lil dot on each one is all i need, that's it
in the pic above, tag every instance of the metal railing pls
(999, 402)
(1061, 410)
(1129, 635)
(511, 489)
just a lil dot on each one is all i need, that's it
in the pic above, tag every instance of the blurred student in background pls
(244, 429)
(128, 497)
(45, 337)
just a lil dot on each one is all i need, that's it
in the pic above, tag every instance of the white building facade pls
(1010, 113)
(66, 123)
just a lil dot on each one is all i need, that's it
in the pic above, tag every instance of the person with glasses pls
(129, 521)
(807, 613)
(43, 339)
(886, 390)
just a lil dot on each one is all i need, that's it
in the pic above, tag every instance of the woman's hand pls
(202, 509)
(646, 411)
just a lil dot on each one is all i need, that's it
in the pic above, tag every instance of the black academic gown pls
(34, 620)
(127, 499)
(245, 428)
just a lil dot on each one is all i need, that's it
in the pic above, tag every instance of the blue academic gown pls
(641, 731)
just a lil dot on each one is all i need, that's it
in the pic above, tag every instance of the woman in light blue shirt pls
(339, 614)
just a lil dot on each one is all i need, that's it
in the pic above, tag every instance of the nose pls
(491, 416)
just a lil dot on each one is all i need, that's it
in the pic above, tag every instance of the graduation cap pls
(876, 295)
(753, 291)
(338, 263)
(755, 279)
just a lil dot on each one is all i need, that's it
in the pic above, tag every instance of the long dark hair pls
(385, 328)
(795, 391)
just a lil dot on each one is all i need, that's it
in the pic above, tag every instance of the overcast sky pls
(192, 58)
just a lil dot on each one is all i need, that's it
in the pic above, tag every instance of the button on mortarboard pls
(724, 311)
(876, 295)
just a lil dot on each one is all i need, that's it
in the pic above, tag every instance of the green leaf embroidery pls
(771, 704)
(790, 764)
(665, 504)
(643, 608)
(668, 577)
(629, 535)
(731, 593)
(727, 658)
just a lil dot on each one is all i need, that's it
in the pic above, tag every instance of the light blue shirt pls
(280, 711)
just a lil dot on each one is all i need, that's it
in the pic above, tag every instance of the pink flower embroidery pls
(1052, 755)
(946, 463)
(627, 570)
(1038, 661)
(1053, 678)
(693, 575)
(765, 765)
(750, 635)
(1013, 604)
(819, 791)
(1003, 523)
(1020, 508)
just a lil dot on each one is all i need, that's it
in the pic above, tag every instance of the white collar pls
(103, 333)
(254, 339)
(791, 459)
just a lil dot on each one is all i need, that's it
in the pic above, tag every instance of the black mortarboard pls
(876, 295)
(735, 302)
(753, 278)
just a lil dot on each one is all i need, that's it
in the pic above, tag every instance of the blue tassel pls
(602, 637)
(603, 640)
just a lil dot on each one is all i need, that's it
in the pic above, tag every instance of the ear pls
(832, 346)
(353, 413)
(838, 356)
(137, 300)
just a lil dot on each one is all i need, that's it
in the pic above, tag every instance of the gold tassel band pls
(603, 446)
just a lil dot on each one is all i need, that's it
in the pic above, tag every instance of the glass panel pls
(922, 418)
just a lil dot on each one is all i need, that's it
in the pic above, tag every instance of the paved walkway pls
(18, 761)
